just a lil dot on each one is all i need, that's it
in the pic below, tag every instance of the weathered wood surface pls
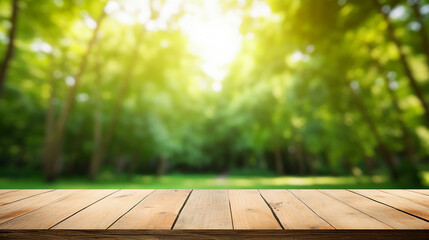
(214, 214)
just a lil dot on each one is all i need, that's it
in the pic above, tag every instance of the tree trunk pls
(369, 162)
(162, 166)
(50, 111)
(412, 80)
(10, 47)
(300, 158)
(406, 135)
(278, 157)
(55, 143)
(98, 124)
(408, 143)
(309, 161)
(385, 152)
(133, 164)
(98, 156)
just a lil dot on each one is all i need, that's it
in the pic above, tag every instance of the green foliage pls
(303, 89)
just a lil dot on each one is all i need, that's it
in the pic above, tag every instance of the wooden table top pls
(270, 214)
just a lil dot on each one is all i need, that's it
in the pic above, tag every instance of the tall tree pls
(412, 80)
(98, 156)
(10, 46)
(387, 155)
(54, 146)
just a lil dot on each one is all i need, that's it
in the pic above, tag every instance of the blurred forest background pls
(228, 93)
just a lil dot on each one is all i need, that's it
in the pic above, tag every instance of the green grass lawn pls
(207, 181)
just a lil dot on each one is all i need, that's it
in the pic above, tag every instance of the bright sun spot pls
(214, 36)
(217, 86)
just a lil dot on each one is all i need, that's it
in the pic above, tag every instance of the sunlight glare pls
(296, 56)
(214, 36)
(260, 9)
(89, 22)
(217, 86)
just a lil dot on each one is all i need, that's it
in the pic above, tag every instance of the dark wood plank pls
(157, 211)
(291, 212)
(206, 209)
(336, 213)
(26, 205)
(249, 211)
(218, 234)
(47, 216)
(105, 212)
(14, 196)
(381, 212)
(412, 196)
(396, 202)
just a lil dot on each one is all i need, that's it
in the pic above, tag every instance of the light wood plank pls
(105, 212)
(157, 211)
(291, 212)
(421, 191)
(11, 197)
(206, 209)
(338, 214)
(48, 216)
(249, 211)
(412, 196)
(383, 213)
(3, 191)
(18, 208)
(396, 202)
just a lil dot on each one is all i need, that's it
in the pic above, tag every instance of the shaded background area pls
(214, 94)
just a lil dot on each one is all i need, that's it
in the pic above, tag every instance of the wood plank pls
(291, 212)
(157, 211)
(360, 234)
(3, 191)
(381, 212)
(206, 209)
(18, 208)
(421, 191)
(104, 212)
(11, 197)
(249, 211)
(396, 202)
(338, 214)
(412, 196)
(47, 216)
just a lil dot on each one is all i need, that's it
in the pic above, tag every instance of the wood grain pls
(421, 191)
(249, 211)
(157, 211)
(206, 209)
(214, 214)
(18, 208)
(381, 212)
(48, 216)
(10, 197)
(412, 196)
(338, 214)
(103, 213)
(396, 202)
(3, 191)
(291, 212)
